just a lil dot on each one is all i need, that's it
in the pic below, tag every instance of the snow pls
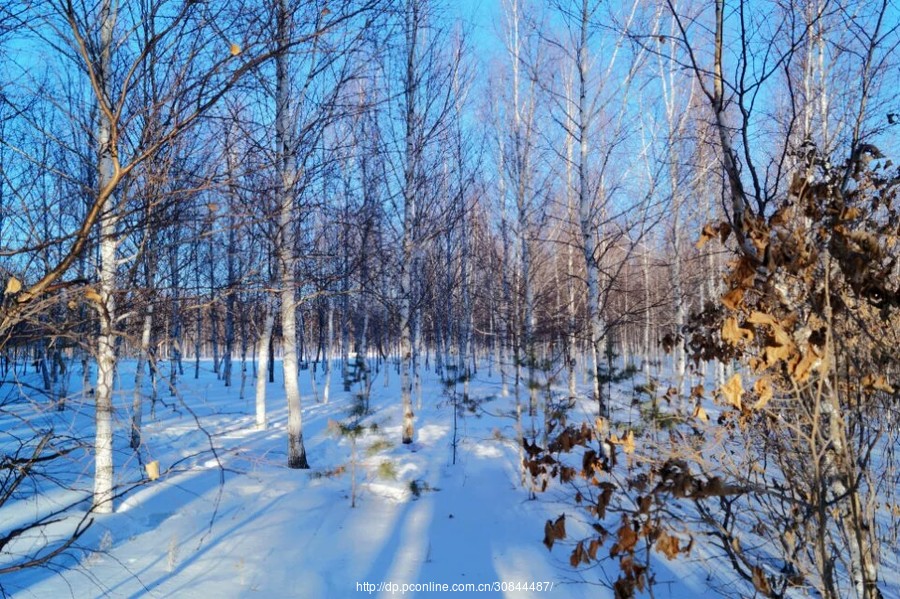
(236, 522)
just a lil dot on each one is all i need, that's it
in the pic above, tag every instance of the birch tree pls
(594, 117)
(424, 74)
(97, 40)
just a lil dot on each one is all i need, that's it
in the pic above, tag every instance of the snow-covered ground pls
(227, 518)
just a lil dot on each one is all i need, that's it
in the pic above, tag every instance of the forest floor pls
(227, 518)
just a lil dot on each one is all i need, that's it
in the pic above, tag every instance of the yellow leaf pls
(708, 233)
(763, 388)
(667, 545)
(91, 295)
(152, 469)
(774, 353)
(13, 285)
(235, 49)
(732, 391)
(733, 298)
(872, 382)
(757, 317)
(781, 336)
(802, 368)
(733, 333)
(700, 414)
(850, 213)
(627, 441)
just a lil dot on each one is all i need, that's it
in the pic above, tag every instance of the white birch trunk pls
(465, 326)
(326, 391)
(229, 303)
(571, 340)
(106, 352)
(262, 357)
(407, 334)
(590, 234)
(138, 398)
(645, 272)
(506, 291)
(286, 250)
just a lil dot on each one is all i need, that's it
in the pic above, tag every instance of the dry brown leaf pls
(763, 388)
(13, 285)
(781, 336)
(577, 555)
(782, 215)
(627, 539)
(850, 213)
(700, 414)
(801, 369)
(708, 233)
(872, 382)
(733, 333)
(774, 353)
(592, 548)
(235, 49)
(732, 300)
(627, 441)
(667, 545)
(757, 317)
(724, 232)
(760, 582)
(91, 295)
(554, 531)
(732, 391)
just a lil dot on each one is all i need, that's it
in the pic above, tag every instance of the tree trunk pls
(106, 353)
(213, 308)
(143, 354)
(326, 358)
(229, 303)
(286, 249)
(407, 316)
(262, 347)
(590, 234)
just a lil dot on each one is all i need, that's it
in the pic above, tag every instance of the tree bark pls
(286, 250)
(143, 355)
(106, 352)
